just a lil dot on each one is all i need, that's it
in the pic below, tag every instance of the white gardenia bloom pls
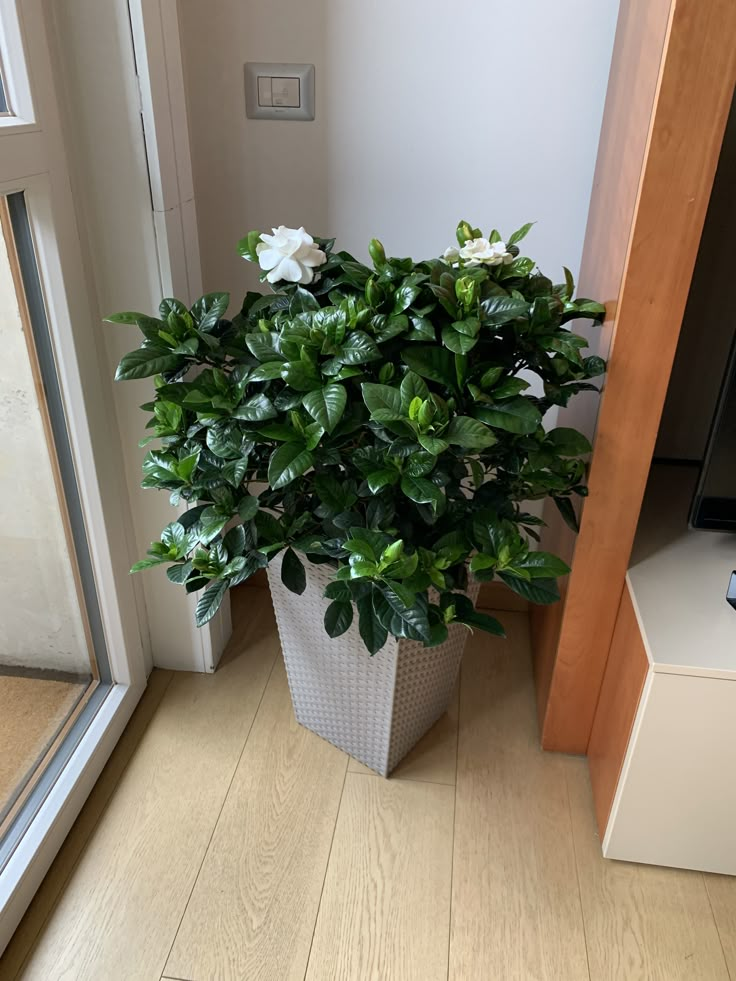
(290, 255)
(451, 255)
(479, 251)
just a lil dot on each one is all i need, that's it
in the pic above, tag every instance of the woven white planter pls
(374, 708)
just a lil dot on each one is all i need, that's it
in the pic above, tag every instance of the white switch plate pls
(279, 91)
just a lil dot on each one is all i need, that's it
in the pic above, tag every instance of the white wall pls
(426, 113)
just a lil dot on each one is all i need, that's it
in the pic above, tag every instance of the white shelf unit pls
(675, 802)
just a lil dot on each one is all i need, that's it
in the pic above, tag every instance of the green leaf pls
(338, 618)
(257, 408)
(179, 574)
(520, 233)
(422, 491)
(457, 342)
(517, 415)
(404, 297)
(434, 363)
(412, 387)
(327, 405)
(302, 376)
(540, 591)
(382, 478)
(433, 444)
(288, 462)
(382, 398)
(338, 591)
(374, 634)
(491, 376)
(293, 574)
(469, 433)
(566, 509)
(210, 601)
(209, 309)
(148, 563)
(568, 442)
(147, 361)
(248, 508)
(359, 348)
(483, 621)
(542, 565)
(498, 310)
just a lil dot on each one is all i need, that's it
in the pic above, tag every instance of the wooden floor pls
(223, 841)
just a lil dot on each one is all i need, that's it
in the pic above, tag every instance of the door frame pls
(672, 82)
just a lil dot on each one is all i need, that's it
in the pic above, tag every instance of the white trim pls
(27, 866)
(157, 46)
(68, 321)
(15, 71)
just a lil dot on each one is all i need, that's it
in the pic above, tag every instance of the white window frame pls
(32, 160)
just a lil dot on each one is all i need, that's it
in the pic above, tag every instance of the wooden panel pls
(253, 910)
(121, 907)
(694, 93)
(642, 923)
(626, 672)
(722, 895)
(515, 903)
(385, 910)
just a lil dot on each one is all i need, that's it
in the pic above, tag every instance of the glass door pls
(71, 665)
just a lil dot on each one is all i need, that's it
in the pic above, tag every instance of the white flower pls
(289, 254)
(479, 251)
(451, 255)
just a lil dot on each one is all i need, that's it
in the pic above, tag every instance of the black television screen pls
(714, 504)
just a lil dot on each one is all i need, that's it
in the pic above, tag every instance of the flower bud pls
(374, 293)
(376, 252)
(466, 290)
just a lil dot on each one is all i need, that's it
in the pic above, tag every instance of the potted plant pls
(370, 436)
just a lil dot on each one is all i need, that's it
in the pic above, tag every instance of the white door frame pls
(33, 160)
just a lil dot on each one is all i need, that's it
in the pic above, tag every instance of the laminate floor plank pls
(722, 894)
(121, 907)
(642, 922)
(253, 910)
(516, 912)
(51, 888)
(385, 909)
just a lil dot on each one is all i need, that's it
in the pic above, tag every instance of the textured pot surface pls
(374, 708)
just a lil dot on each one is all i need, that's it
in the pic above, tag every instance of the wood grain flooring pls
(223, 841)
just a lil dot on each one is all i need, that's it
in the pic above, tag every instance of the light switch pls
(265, 90)
(285, 92)
(278, 91)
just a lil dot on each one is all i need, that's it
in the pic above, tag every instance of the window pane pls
(51, 641)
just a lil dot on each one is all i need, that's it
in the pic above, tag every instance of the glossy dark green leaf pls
(434, 363)
(540, 591)
(287, 463)
(210, 601)
(293, 574)
(514, 416)
(469, 433)
(338, 618)
(147, 361)
(326, 405)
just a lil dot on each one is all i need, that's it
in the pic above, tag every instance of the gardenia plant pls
(377, 419)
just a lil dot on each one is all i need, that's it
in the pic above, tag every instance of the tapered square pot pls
(374, 708)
